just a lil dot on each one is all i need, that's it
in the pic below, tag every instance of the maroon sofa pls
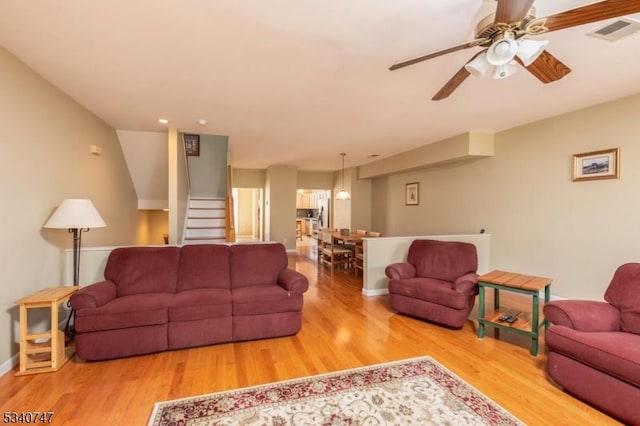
(438, 282)
(594, 346)
(159, 298)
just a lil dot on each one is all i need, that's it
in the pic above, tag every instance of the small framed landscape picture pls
(192, 145)
(597, 165)
(412, 194)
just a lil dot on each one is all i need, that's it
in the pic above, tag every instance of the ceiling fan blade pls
(547, 68)
(435, 54)
(509, 11)
(455, 81)
(592, 13)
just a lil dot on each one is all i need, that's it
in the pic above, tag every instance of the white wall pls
(541, 222)
(146, 157)
(45, 157)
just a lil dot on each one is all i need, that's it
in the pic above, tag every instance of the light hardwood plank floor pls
(341, 329)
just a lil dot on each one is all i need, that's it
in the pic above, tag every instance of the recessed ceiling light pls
(163, 121)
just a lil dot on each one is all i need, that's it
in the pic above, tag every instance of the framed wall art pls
(604, 164)
(192, 145)
(412, 194)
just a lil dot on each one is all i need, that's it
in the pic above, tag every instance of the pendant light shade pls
(502, 51)
(343, 195)
(530, 50)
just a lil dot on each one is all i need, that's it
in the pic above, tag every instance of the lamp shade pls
(504, 71)
(343, 195)
(529, 50)
(478, 66)
(75, 213)
(502, 51)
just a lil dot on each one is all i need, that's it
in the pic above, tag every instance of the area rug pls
(416, 391)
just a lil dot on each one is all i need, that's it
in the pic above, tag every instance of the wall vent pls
(617, 29)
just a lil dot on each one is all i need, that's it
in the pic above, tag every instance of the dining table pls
(351, 237)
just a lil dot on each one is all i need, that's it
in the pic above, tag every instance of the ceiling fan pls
(503, 36)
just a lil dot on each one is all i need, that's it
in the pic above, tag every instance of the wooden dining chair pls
(333, 254)
(358, 255)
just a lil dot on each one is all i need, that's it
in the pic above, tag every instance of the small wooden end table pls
(50, 354)
(526, 323)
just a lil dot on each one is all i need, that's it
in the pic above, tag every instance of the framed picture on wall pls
(192, 145)
(412, 194)
(597, 165)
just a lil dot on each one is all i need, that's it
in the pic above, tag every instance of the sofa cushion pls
(624, 293)
(256, 264)
(429, 289)
(198, 304)
(443, 260)
(125, 312)
(204, 266)
(139, 270)
(264, 299)
(614, 352)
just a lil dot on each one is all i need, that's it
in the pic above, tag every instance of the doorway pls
(248, 217)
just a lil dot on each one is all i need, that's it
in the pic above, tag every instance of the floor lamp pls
(77, 216)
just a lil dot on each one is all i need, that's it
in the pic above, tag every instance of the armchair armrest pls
(293, 281)
(94, 295)
(467, 283)
(401, 270)
(583, 315)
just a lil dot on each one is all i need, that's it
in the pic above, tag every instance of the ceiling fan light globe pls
(502, 51)
(504, 71)
(530, 50)
(479, 66)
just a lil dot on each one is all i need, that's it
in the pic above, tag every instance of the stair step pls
(204, 240)
(199, 222)
(206, 213)
(205, 233)
(196, 203)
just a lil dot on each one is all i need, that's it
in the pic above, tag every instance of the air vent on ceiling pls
(616, 30)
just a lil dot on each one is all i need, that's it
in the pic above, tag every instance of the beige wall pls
(44, 158)
(539, 220)
(280, 205)
(152, 226)
(248, 178)
(246, 214)
(315, 180)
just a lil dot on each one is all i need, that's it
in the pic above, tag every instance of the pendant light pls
(343, 195)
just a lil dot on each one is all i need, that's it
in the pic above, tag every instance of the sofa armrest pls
(401, 270)
(583, 315)
(293, 281)
(94, 295)
(467, 283)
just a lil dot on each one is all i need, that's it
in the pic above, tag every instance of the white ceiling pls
(296, 82)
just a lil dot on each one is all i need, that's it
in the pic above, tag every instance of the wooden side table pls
(527, 324)
(50, 354)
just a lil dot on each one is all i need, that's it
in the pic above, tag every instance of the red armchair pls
(438, 282)
(594, 346)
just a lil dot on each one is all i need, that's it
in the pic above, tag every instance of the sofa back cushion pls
(137, 270)
(256, 264)
(624, 293)
(204, 266)
(443, 260)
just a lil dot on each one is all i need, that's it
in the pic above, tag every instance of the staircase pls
(206, 221)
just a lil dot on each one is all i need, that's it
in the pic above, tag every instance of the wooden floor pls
(342, 329)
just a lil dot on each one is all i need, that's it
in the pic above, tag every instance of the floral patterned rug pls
(416, 391)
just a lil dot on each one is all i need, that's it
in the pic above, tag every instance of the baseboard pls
(375, 292)
(8, 365)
